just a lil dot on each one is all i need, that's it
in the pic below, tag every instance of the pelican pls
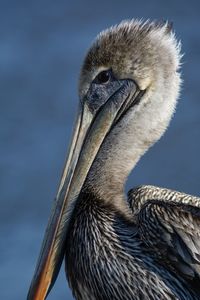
(146, 245)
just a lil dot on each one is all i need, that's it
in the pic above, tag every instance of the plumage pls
(146, 245)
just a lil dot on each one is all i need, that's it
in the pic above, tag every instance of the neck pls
(117, 156)
(141, 127)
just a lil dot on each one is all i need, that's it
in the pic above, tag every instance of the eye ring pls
(103, 77)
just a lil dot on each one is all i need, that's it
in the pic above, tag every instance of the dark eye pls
(103, 77)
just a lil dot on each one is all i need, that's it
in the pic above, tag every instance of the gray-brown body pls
(111, 258)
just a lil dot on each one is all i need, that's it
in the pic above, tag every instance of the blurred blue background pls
(42, 44)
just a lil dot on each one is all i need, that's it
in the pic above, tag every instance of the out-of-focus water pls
(42, 44)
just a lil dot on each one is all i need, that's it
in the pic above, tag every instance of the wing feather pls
(169, 224)
(172, 231)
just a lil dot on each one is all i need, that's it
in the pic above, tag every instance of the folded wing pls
(169, 224)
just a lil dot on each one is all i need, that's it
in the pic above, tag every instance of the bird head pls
(144, 58)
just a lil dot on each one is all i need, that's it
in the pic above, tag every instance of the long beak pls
(89, 133)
